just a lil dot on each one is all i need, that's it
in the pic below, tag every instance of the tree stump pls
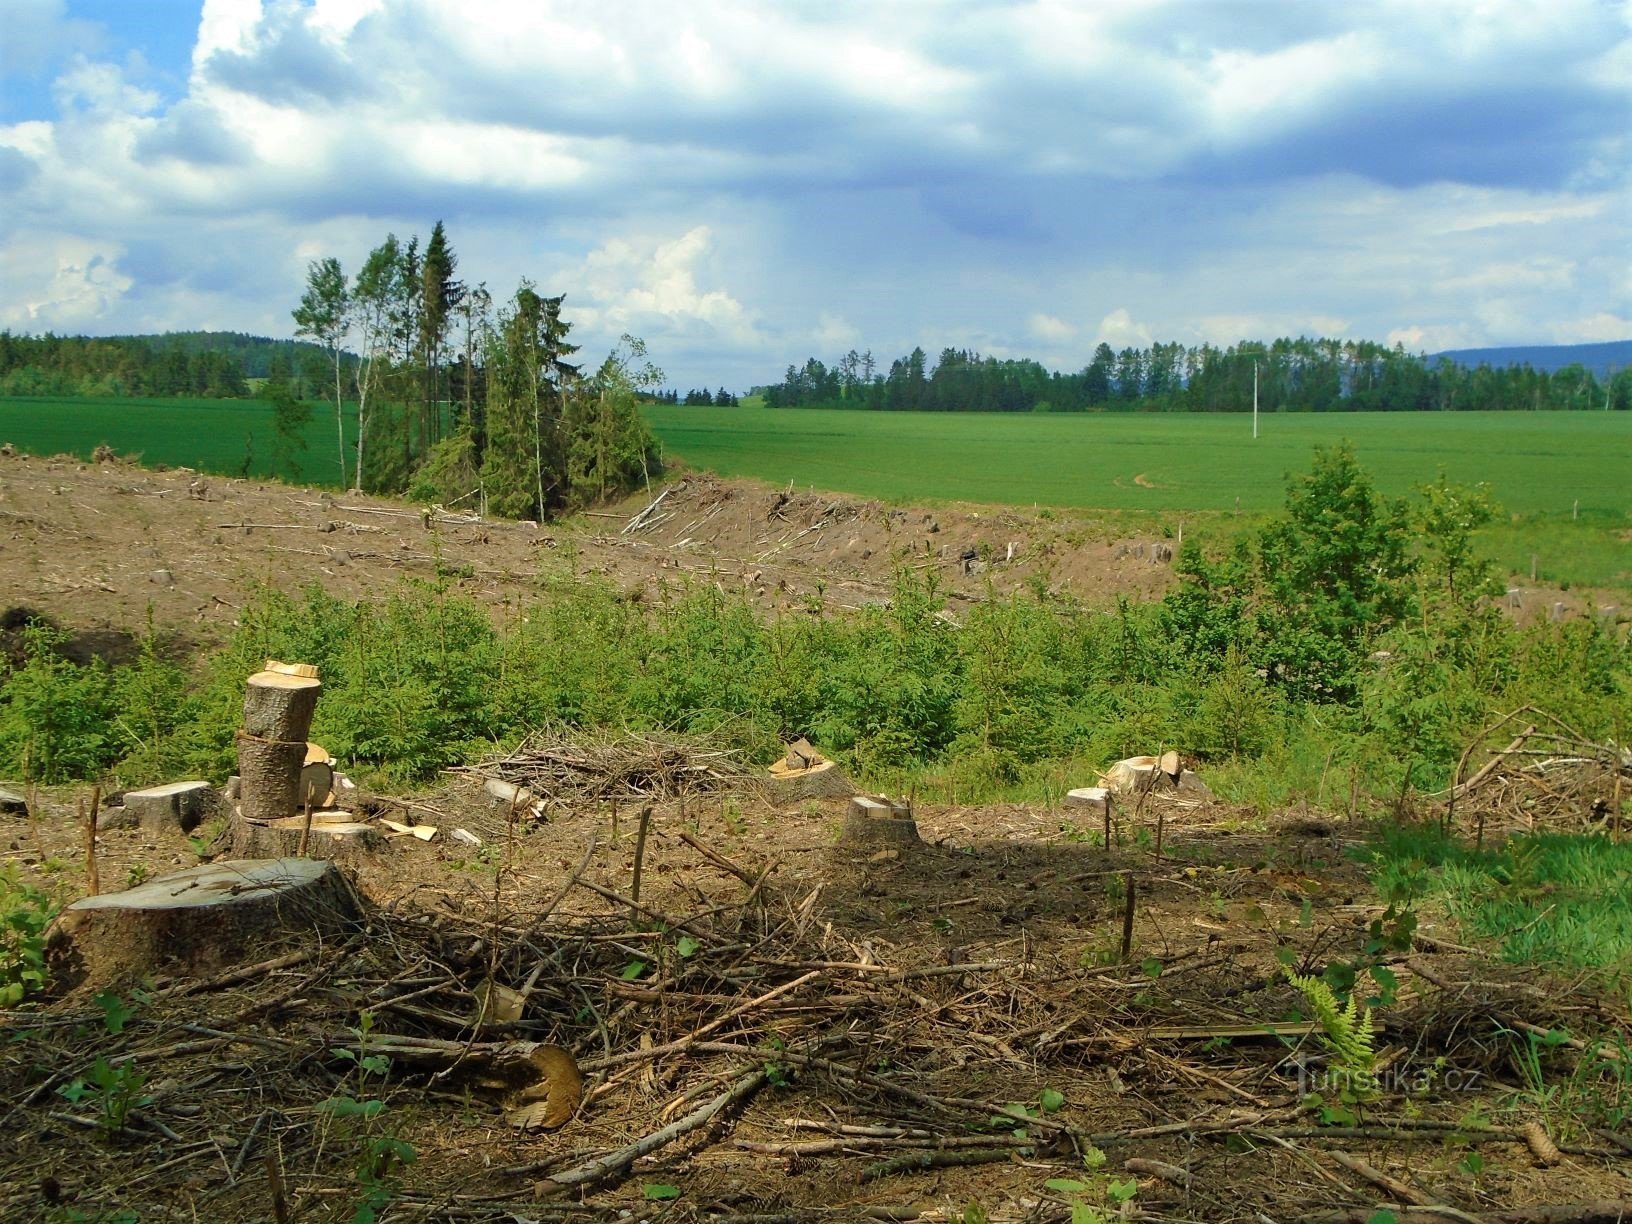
(786, 785)
(179, 807)
(196, 922)
(335, 835)
(272, 745)
(1096, 799)
(873, 822)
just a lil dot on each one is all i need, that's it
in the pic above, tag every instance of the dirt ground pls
(92, 545)
(782, 1028)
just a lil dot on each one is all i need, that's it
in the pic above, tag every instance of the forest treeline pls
(1291, 375)
(205, 365)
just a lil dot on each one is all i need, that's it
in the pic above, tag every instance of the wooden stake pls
(1128, 887)
(1161, 823)
(93, 885)
(274, 1177)
(305, 830)
(640, 852)
(1108, 802)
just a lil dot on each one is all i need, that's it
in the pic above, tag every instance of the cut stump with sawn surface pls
(198, 921)
(873, 822)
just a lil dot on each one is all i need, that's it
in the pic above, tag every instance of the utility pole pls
(1255, 397)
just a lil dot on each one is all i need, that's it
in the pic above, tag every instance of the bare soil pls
(93, 545)
(861, 1019)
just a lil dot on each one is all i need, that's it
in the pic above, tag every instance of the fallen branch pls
(614, 1163)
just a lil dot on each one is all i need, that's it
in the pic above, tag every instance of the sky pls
(747, 184)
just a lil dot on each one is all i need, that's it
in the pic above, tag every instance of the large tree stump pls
(272, 745)
(873, 822)
(196, 922)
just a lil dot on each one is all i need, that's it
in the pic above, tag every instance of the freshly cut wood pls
(316, 785)
(801, 754)
(873, 821)
(179, 807)
(307, 670)
(272, 745)
(512, 798)
(335, 835)
(197, 921)
(12, 804)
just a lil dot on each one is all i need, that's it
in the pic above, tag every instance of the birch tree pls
(323, 316)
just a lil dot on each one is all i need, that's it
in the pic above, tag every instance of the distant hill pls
(1600, 359)
(252, 353)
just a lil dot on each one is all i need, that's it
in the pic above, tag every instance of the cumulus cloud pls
(60, 278)
(738, 181)
(651, 288)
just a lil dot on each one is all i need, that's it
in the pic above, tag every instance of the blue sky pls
(746, 184)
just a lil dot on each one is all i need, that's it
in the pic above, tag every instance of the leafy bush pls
(56, 716)
(25, 912)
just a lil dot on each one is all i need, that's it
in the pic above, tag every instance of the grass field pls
(212, 435)
(1565, 479)
(1178, 461)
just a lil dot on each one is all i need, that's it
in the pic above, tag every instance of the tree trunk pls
(272, 746)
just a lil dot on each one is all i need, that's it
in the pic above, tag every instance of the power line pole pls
(1255, 397)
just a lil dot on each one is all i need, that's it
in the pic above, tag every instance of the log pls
(872, 822)
(12, 804)
(179, 807)
(196, 922)
(335, 835)
(272, 745)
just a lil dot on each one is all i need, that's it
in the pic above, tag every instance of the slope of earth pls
(93, 545)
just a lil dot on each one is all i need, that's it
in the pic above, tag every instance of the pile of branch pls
(1547, 775)
(622, 769)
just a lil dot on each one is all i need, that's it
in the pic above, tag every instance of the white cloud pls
(651, 288)
(834, 334)
(37, 32)
(1119, 330)
(1049, 329)
(58, 280)
(1592, 328)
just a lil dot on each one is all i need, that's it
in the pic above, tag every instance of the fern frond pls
(1346, 1031)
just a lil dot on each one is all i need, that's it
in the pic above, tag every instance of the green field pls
(1535, 462)
(212, 435)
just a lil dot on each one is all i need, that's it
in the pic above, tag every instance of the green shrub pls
(25, 912)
